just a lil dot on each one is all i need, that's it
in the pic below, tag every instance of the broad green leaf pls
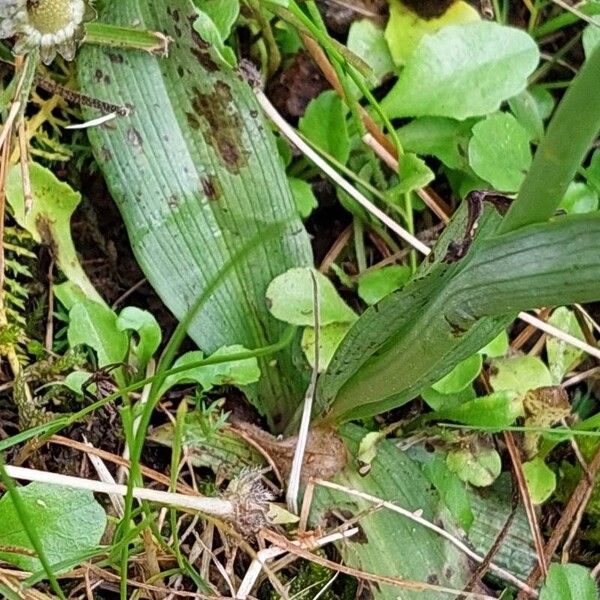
(96, 326)
(527, 111)
(383, 547)
(492, 509)
(460, 377)
(579, 198)
(304, 196)
(413, 174)
(519, 374)
(456, 307)
(147, 328)
(375, 285)
(570, 133)
(209, 31)
(69, 522)
(69, 294)
(463, 71)
(324, 124)
(405, 27)
(451, 490)
(497, 347)
(443, 138)
(330, 337)
(223, 14)
(499, 151)
(562, 357)
(49, 220)
(476, 465)
(498, 410)
(591, 39)
(541, 480)
(569, 582)
(367, 41)
(195, 172)
(238, 373)
(290, 299)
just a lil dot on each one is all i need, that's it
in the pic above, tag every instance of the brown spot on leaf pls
(221, 124)
(210, 187)
(115, 58)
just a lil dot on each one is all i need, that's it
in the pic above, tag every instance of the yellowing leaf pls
(406, 28)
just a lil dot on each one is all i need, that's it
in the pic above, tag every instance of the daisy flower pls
(48, 25)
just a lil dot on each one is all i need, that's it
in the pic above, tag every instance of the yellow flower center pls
(49, 16)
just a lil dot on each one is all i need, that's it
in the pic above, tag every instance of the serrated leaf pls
(68, 521)
(147, 328)
(196, 175)
(498, 410)
(499, 151)
(49, 220)
(238, 373)
(95, 325)
(491, 61)
(569, 582)
(290, 299)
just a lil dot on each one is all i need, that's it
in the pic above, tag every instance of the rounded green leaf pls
(499, 151)
(461, 376)
(324, 124)
(375, 285)
(478, 466)
(290, 299)
(463, 71)
(69, 522)
(541, 480)
(562, 356)
(569, 582)
(519, 374)
(330, 337)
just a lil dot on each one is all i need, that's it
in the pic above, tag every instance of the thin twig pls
(293, 137)
(566, 517)
(217, 507)
(296, 470)
(263, 556)
(527, 503)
